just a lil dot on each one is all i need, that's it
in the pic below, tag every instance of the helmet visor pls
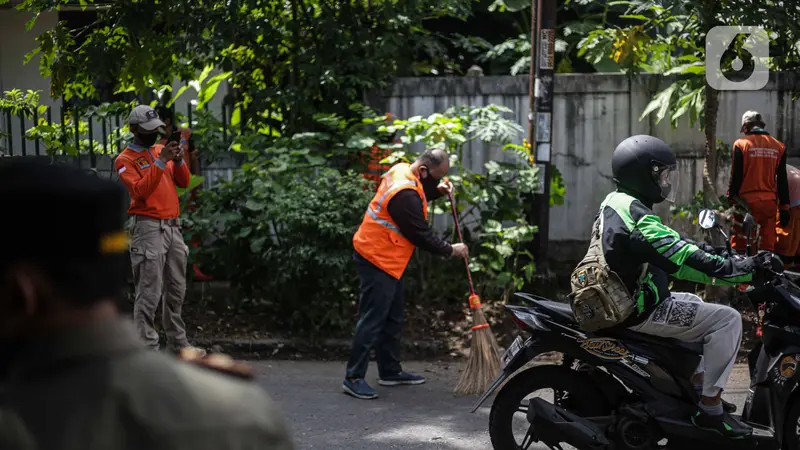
(669, 180)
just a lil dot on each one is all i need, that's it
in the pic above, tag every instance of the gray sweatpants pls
(687, 318)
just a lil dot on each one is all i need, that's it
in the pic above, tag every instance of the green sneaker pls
(724, 424)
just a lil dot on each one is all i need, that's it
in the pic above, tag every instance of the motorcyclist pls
(644, 170)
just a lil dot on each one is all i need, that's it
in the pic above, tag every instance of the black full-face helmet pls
(646, 167)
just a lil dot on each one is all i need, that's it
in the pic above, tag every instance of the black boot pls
(724, 424)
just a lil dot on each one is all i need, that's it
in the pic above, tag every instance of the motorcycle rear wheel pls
(590, 400)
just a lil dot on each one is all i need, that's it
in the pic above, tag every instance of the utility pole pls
(543, 36)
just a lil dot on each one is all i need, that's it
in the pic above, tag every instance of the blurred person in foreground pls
(73, 373)
(159, 255)
(788, 244)
(758, 179)
(394, 225)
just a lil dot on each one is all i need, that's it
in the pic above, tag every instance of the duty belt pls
(168, 222)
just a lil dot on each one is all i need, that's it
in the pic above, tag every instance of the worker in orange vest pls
(758, 178)
(788, 245)
(393, 226)
(191, 156)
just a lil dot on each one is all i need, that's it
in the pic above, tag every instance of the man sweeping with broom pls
(394, 225)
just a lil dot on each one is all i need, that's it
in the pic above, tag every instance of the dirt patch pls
(429, 334)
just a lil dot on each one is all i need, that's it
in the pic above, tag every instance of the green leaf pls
(257, 244)
(661, 102)
(493, 226)
(315, 160)
(359, 141)
(177, 95)
(236, 117)
(206, 72)
(209, 90)
(635, 17)
(694, 68)
(29, 24)
(194, 182)
(254, 205)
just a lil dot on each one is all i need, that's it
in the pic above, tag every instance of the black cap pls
(66, 221)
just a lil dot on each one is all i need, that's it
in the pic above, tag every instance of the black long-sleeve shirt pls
(737, 177)
(406, 211)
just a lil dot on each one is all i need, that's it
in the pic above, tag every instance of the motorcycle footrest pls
(553, 425)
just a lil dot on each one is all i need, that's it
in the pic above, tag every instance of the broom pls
(484, 355)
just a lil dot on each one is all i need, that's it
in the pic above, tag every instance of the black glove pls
(771, 261)
(784, 218)
(764, 266)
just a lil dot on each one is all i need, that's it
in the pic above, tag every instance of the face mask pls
(668, 180)
(149, 139)
(429, 186)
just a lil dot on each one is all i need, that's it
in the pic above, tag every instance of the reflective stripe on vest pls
(374, 213)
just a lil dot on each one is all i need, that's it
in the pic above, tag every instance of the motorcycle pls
(625, 390)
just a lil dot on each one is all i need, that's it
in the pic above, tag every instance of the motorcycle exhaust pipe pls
(552, 425)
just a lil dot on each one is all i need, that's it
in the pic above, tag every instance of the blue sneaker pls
(401, 378)
(358, 388)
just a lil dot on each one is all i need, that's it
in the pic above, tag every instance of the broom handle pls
(461, 238)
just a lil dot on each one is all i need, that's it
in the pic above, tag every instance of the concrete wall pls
(592, 114)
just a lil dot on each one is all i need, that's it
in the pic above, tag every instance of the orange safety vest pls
(761, 154)
(378, 239)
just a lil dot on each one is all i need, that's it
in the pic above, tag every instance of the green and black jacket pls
(634, 235)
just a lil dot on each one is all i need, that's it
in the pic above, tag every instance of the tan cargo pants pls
(158, 257)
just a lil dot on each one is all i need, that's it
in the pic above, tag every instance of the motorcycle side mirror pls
(748, 224)
(707, 219)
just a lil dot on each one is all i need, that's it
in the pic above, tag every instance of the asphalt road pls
(427, 416)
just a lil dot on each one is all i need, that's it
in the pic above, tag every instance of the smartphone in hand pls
(174, 137)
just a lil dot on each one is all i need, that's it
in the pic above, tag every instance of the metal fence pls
(95, 138)
(17, 141)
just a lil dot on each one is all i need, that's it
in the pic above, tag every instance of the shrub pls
(281, 230)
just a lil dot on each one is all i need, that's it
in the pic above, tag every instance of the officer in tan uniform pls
(151, 173)
(73, 373)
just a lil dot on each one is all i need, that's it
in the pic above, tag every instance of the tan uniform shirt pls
(99, 389)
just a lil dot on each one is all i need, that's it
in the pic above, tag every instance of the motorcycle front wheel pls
(571, 390)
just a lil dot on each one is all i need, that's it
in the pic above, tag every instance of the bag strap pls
(645, 266)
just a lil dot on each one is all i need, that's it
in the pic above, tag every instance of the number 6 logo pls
(718, 41)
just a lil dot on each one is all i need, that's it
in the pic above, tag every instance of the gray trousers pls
(158, 257)
(687, 318)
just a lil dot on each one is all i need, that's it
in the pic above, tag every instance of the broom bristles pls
(483, 363)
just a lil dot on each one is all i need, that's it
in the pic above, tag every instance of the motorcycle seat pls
(563, 313)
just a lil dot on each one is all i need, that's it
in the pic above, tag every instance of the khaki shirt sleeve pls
(272, 425)
(13, 433)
